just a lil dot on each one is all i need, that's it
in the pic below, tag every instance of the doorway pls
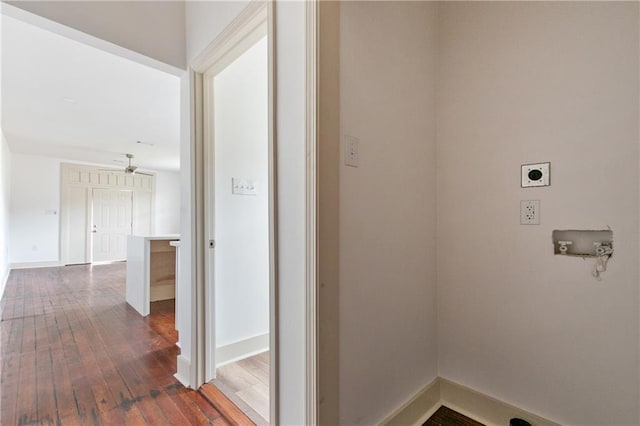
(239, 223)
(111, 224)
(99, 208)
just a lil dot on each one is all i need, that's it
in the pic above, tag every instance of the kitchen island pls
(151, 271)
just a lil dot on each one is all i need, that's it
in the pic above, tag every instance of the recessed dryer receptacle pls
(537, 174)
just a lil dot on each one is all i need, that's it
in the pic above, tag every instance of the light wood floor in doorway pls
(246, 383)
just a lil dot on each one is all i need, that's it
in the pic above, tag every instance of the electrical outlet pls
(530, 212)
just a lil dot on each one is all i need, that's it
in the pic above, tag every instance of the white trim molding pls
(237, 36)
(256, 20)
(484, 408)
(3, 283)
(29, 265)
(469, 402)
(242, 349)
(311, 287)
(274, 341)
(419, 408)
(183, 370)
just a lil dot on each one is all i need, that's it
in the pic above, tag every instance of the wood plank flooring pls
(72, 352)
(447, 417)
(246, 383)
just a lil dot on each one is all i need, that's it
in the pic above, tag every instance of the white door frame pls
(253, 23)
(200, 245)
(311, 212)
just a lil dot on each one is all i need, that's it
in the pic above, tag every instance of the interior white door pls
(111, 223)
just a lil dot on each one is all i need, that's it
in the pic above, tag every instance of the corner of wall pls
(5, 201)
(328, 216)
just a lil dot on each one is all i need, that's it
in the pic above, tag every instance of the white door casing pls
(77, 184)
(252, 24)
(111, 224)
(200, 247)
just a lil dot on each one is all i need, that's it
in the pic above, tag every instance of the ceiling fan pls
(131, 169)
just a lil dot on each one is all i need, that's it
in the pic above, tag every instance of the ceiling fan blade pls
(143, 173)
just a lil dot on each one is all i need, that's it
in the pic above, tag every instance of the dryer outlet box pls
(537, 174)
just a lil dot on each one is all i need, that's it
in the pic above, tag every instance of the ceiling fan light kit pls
(130, 169)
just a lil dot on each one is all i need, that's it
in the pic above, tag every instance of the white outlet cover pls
(530, 212)
(537, 174)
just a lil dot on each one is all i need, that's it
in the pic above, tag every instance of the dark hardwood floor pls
(73, 352)
(447, 417)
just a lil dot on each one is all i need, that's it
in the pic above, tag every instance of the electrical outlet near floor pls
(530, 212)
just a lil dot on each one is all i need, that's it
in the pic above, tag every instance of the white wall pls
(167, 214)
(35, 192)
(387, 207)
(5, 202)
(241, 227)
(524, 82)
(153, 28)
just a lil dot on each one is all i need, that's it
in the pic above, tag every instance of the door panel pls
(142, 213)
(77, 225)
(111, 224)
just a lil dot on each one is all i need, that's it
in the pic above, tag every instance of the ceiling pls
(68, 100)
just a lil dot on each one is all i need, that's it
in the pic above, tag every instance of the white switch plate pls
(537, 174)
(530, 212)
(243, 186)
(351, 151)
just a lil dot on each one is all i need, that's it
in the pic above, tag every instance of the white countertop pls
(158, 237)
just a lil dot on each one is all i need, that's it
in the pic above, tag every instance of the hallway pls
(73, 352)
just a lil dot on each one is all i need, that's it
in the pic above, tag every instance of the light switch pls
(351, 151)
(243, 186)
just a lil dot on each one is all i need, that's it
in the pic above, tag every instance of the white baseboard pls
(3, 283)
(242, 349)
(418, 409)
(469, 402)
(162, 292)
(28, 265)
(184, 371)
(484, 408)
